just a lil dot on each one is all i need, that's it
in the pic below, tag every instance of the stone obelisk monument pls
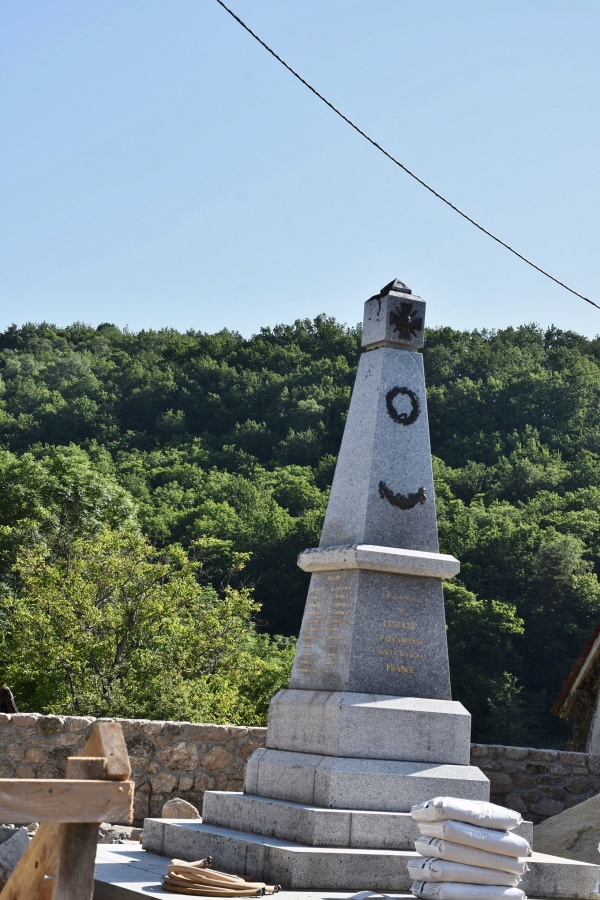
(368, 721)
(367, 727)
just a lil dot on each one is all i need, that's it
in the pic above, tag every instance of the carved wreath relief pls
(402, 418)
(402, 501)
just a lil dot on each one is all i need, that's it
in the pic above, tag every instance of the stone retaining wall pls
(178, 759)
(537, 783)
(168, 759)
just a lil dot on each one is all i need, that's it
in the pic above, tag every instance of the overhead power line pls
(400, 164)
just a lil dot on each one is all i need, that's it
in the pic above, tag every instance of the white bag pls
(475, 812)
(470, 856)
(431, 869)
(453, 891)
(503, 842)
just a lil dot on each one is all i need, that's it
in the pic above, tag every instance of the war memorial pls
(367, 727)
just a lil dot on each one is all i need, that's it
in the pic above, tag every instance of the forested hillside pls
(157, 486)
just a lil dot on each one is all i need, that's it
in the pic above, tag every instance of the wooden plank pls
(107, 740)
(28, 879)
(46, 891)
(77, 766)
(31, 799)
(74, 879)
(74, 876)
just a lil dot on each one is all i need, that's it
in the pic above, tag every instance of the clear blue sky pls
(160, 169)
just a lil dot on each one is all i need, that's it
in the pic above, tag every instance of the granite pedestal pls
(369, 726)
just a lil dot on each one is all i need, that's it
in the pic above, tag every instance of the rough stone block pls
(11, 851)
(545, 755)
(182, 756)
(177, 808)
(163, 783)
(24, 720)
(546, 807)
(577, 784)
(370, 726)
(516, 753)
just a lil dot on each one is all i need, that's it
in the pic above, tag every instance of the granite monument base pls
(300, 867)
(338, 817)
(323, 821)
(339, 775)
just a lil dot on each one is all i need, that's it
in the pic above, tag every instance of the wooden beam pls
(75, 861)
(59, 862)
(28, 799)
(28, 878)
(107, 740)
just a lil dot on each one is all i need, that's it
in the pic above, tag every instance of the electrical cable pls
(401, 165)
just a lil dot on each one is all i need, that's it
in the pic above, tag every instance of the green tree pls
(117, 628)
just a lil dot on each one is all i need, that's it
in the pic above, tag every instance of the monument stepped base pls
(301, 867)
(301, 824)
(124, 872)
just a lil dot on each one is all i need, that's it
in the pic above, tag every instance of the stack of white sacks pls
(468, 851)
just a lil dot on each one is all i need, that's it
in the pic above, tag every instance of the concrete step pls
(124, 872)
(554, 876)
(313, 825)
(301, 867)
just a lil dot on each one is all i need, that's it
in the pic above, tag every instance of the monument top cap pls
(394, 318)
(395, 285)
